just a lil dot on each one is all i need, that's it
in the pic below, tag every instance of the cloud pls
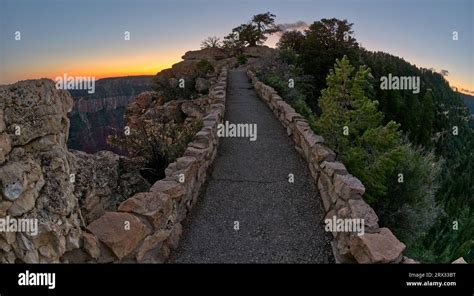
(444, 72)
(299, 26)
(466, 91)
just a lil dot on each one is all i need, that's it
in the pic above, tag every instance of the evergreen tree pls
(326, 40)
(377, 154)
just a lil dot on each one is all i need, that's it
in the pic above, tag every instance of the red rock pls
(335, 167)
(175, 235)
(152, 243)
(382, 247)
(348, 186)
(171, 187)
(91, 245)
(361, 210)
(155, 206)
(323, 153)
(121, 232)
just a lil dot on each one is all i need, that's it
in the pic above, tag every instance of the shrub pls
(173, 92)
(153, 145)
(241, 59)
(203, 68)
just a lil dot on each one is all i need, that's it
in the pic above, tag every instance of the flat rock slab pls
(278, 222)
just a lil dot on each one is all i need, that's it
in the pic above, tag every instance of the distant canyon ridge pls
(95, 116)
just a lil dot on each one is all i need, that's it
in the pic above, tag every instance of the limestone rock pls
(259, 51)
(209, 54)
(460, 260)
(35, 167)
(347, 186)
(170, 187)
(35, 108)
(361, 210)
(185, 69)
(5, 146)
(175, 235)
(150, 249)
(407, 260)
(382, 247)
(333, 167)
(121, 232)
(103, 180)
(322, 153)
(91, 245)
(156, 207)
(201, 85)
(147, 98)
(192, 110)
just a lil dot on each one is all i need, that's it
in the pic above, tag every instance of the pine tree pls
(377, 154)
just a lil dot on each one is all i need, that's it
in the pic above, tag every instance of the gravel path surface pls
(279, 222)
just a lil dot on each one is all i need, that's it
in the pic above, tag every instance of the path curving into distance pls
(278, 222)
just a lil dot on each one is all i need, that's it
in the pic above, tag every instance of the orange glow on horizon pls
(98, 67)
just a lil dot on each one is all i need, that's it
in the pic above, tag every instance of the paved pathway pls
(279, 222)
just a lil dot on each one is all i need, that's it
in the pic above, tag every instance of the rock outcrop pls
(54, 191)
(103, 181)
(35, 172)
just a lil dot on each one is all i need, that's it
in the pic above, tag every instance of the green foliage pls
(325, 41)
(291, 40)
(152, 145)
(241, 59)
(426, 119)
(377, 153)
(169, 87)
(203, 68)
(233, 42)
(252, 33)
(288, 56)
(171, 91)
(302, 108)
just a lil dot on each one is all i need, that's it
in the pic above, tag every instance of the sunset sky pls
(87, 37)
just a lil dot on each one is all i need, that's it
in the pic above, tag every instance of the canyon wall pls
(341, 193)
(96, 116)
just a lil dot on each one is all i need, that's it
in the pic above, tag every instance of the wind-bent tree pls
(264, 24)
(252, 33)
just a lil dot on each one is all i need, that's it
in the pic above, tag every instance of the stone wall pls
(147, 226)
(341, 193)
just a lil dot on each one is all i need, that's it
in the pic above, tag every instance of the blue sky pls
(86, 36)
